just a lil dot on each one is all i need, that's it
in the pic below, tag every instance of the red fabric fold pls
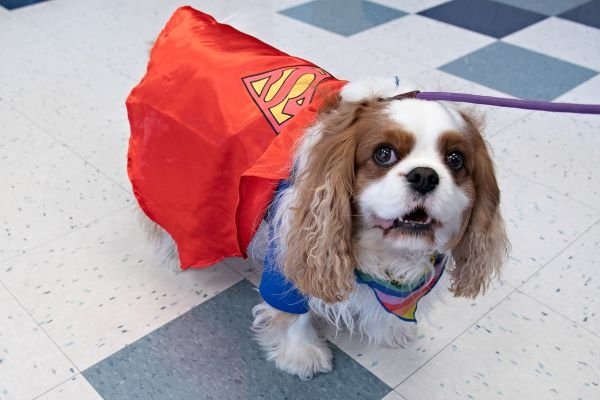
(213, 124)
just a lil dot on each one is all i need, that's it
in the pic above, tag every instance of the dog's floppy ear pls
(318, 258)
(483, 247)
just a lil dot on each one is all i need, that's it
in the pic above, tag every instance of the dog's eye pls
(455, 160)
(385, 156)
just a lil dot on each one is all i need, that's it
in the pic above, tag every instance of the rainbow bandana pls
(401, 298)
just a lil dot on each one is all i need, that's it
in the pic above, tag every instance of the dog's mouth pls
(418, 221)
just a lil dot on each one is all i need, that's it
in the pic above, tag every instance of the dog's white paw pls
(291, 341)
(305, 360)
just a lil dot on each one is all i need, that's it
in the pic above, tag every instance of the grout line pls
(234, 270)
(520, 287)
(577, 238)
(56, 36)
(501, 130)
(60, 384)
(550, 260)
(551, 189)
(400, 394)
(559, 314)
(251, 275)
(60, 236)
(74, 366)
(69, 148)
(100, 171)
(457, 337)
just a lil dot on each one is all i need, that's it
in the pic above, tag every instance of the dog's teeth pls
(427, 222)
(416, 222)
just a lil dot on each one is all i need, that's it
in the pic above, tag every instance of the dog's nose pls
(423, 179)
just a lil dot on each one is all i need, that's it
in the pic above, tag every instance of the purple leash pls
(503, 102)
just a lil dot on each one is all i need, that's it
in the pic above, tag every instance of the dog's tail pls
(162, 243)
(165, 249)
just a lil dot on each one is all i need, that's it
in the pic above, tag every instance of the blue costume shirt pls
(274, 288)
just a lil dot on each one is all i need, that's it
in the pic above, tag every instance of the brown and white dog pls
(379, 186)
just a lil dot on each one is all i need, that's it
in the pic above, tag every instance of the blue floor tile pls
(546, 7)
(519, 72)
(12, 4)
(483, 16)
(345, 17)
(587, 14)
(209, 353)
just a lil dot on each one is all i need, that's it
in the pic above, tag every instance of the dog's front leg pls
(291, 341)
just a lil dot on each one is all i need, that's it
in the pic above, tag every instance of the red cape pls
(213, 124)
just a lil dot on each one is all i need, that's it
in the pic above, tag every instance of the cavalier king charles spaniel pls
(386, 198)
(390, 203)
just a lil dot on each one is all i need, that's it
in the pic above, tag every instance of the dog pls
(387, 201)
(384, 195)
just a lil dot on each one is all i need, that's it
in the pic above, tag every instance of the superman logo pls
(280, 94)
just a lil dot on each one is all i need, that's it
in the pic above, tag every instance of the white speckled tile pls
(106, 149)
(104, 17)
(560, 151)
(49, 194)
(126, 32)
(287, 34)
(570, 284)
(76, 388)
(243, 267)
(19, 138)
(423, 40)
(261, 5)
(127, 43)
(30, 363)
(521, 350)
(354, 61)
(63, 90)
(100, 288)
(60, 15)
(447, 319)
(494, 118)
(566, 40)
(11, 34)
(540, 224)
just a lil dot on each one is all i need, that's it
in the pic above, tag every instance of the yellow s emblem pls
(280, 94)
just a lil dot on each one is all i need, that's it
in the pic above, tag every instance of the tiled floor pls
(86, 312)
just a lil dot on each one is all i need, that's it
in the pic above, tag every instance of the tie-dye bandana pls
(401, 298)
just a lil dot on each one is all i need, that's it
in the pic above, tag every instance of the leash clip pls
(407, 95)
